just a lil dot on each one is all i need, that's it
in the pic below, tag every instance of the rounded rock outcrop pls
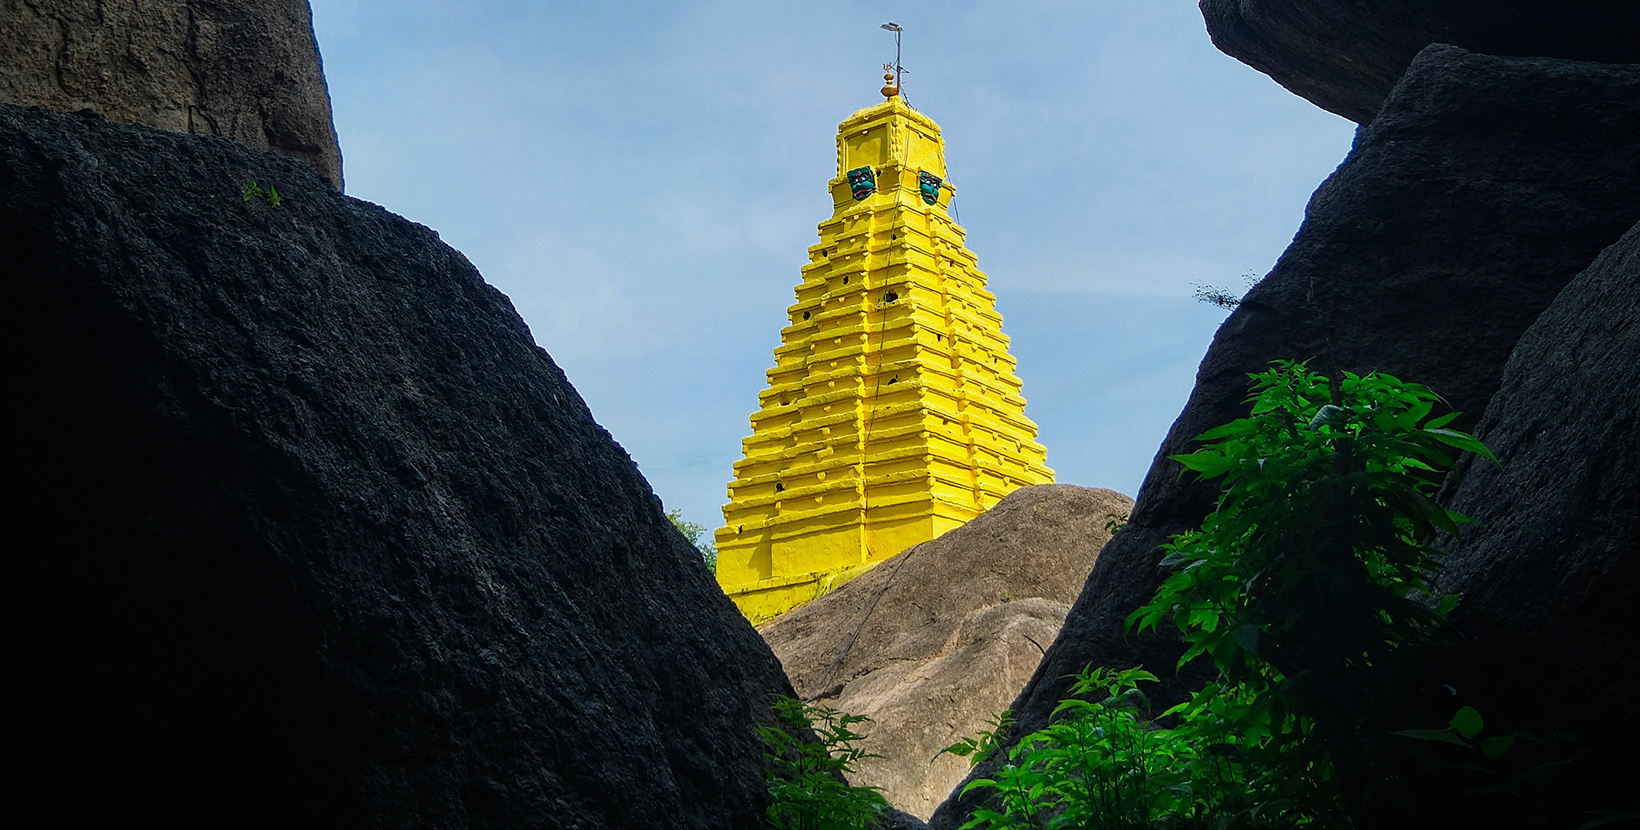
(1346, 55)
(936, 641)
(249, 71)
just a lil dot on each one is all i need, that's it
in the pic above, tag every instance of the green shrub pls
(1103, 762)
(807, 787)
(1313, 568)
(1311, 571)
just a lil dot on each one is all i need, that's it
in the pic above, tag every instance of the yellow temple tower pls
(892, 413)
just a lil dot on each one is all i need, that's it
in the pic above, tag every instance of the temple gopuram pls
(892, 413)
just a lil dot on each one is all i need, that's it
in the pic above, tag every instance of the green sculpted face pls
(929, 185)
(862, 181)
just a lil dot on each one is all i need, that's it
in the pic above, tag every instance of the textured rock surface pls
(313, 535)
(1481, 189)
(935, 642)
(248, 71)
(1346, 55)
(1551, 574)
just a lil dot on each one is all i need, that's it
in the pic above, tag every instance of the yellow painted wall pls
(892, 413)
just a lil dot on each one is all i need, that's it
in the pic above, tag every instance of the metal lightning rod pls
(898, 69)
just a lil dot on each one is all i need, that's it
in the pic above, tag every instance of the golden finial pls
(890, 89)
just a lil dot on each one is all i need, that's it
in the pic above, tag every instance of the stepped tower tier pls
(892, 413)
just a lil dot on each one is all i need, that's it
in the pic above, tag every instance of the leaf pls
(1460, 766)
(1447, 603)
(1325, 414)
(1496, 747)
(1463, 441)
(1443, 420)
(1145, 617)
(1442, 735)
(1418, 411)
(1467, 722)
(1609, 817)
(1246, 636)
(1240, 426)
(1209, 464)
(1174, 558)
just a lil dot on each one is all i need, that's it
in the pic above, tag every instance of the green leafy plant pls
(1114, 522)
(983, 745)
(1315, 566)
(1516, 773)
(808, 789)
(1105, 762)
(1464, 727)
(270, 195)
(697, 536)
(1098, 764)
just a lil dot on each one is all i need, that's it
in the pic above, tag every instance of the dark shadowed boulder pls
(1345, 55)
(1550, 575)
(1481, 189)
(247, 70)
(307, 532)
(935, 642)
(900, 820)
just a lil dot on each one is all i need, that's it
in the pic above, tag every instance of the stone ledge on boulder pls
(1346, 55)
(933, 643)
(1481, 189)
(249, 71)
(308, 532)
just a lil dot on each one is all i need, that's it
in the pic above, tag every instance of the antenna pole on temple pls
(893, 73)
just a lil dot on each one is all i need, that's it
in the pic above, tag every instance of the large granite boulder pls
(1345, 55)
(307, 532)
(249, 71)
(935, 642)
(1483, 186)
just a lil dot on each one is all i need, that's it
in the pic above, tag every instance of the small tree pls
(697, 536)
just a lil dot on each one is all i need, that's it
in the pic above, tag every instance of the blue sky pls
(643, 179)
